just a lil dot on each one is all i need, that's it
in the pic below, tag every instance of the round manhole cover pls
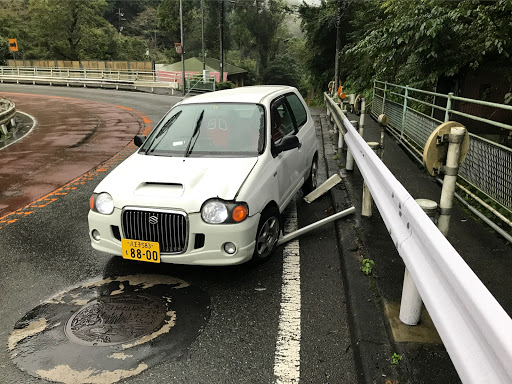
(116, 319)
(107, 330)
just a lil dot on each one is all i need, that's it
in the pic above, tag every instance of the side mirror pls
(139, 140)
(288, 143)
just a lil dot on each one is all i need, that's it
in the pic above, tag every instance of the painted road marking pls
(287, 355)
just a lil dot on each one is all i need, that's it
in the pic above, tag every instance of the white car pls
(210, 182)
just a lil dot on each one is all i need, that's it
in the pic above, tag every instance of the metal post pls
(182, 51)
(366, 205)
(384, 96)
(448, 107)
(404, 111)
(350, 161)
(374, 85)
(361, 118)
(318, 224)
(450, 178)
(338, 45)
(221, 19)
(410, 306)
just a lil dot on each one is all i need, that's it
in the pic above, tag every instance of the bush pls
(224, 85)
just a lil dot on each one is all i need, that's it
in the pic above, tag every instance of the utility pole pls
(202, 36)
(221, 22)
(182, 51)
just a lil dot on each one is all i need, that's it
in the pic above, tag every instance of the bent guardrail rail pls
(474, 328)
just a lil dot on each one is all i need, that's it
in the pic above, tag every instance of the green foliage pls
(224, 85)
(395, 359)
(367, 266)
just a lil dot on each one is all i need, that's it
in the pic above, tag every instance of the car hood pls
(175, 182)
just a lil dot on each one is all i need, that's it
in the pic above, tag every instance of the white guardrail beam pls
(475, 329)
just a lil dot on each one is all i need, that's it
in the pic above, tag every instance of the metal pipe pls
(361, 118)
(450, 178)
(404, 111)
(315, 225)
(366, 204)
(448, 107)
(182, 51)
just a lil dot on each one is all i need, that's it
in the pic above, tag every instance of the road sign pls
(13, 45)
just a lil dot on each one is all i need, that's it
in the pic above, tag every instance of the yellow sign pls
(13, 45)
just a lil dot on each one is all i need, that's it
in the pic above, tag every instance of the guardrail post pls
(450, 178)
(361, 118)
(366, 205)
(384, 96)
(448, 107)
(411, 303)
(404, 112)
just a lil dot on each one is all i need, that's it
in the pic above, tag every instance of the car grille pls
(169, 229)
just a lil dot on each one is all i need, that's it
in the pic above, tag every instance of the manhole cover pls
(107, 330)
(116, 319)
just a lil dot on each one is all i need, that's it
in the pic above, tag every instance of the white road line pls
(287, 355)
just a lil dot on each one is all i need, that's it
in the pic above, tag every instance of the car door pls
(287, 172)
(305, 132)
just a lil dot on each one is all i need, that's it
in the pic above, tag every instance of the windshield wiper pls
(164, 129)
(195, 134)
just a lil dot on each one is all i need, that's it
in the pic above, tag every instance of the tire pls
(311, 182)
(267, 235)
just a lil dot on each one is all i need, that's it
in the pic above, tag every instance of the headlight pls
(224, 212)
(102, 203)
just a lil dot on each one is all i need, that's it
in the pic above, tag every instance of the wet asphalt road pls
(231, 340)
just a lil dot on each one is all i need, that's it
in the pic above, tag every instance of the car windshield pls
(209, 130)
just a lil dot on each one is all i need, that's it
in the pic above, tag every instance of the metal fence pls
(488, 165)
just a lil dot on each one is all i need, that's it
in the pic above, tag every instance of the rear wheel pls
(267, 234)
(311, 181)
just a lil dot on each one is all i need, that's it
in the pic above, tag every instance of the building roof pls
(195, 64)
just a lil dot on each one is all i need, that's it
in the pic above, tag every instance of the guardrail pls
(488, 165)
(473, 326)
(7, 113)
(130, 79)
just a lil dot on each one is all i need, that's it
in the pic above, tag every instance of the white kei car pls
(209, 183)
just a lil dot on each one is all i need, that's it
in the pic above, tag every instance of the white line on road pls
(287, 356)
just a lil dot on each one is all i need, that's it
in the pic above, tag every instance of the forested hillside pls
(426, 43)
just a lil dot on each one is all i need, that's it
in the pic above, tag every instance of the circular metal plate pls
(383, 119)
(434, 154)
(106, 330)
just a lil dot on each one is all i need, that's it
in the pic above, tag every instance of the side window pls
(281, 121)
(298, 109)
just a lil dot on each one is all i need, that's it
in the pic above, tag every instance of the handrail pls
(471, 323)
(85, 76)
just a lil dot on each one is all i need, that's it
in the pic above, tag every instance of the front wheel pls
(311, 182)
(267, 234)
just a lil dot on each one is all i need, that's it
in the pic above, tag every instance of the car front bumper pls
(242, 234)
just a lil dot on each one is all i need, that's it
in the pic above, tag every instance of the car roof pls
(252, 94)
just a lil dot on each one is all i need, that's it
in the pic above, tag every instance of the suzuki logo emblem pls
(153, 220)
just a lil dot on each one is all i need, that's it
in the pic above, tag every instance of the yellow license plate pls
(148, 251)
